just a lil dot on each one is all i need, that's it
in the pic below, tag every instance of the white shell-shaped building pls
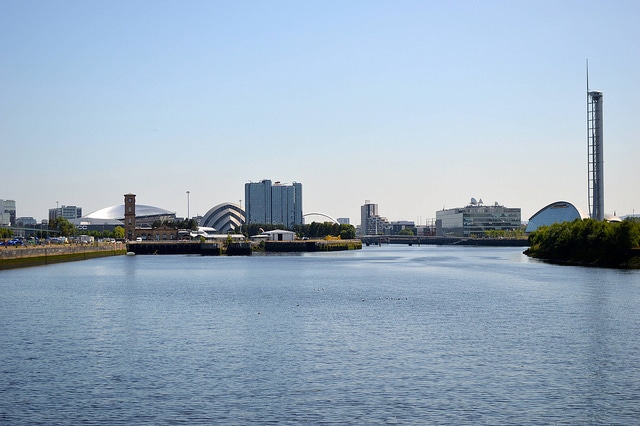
(224, 217)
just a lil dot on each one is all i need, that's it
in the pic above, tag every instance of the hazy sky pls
(414, 105)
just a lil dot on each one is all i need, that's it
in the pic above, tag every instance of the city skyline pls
(414, 106)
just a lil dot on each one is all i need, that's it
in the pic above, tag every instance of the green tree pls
(63, 226)
(406, 231)
(118, 232)
(6, 233)
(347, 232)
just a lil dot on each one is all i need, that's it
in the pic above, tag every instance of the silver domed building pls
(108, 218)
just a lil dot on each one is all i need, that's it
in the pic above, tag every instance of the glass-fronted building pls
(475, 219)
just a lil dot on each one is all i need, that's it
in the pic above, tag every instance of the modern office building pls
(7, 212)
(370, 222)
(476, 218)
(67, 212)
(273, 203)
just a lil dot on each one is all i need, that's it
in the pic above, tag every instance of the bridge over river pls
(369, 240)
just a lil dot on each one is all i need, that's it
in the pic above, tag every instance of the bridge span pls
(323, 215)
(378, 240)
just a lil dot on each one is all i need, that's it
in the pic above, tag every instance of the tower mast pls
(595, 159)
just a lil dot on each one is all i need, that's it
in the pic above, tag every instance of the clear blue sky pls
(414, 105)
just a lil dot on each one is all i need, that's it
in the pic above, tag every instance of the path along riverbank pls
(17, 257)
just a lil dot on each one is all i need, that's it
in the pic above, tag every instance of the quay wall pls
(165, 247)
(312, 245)
(16, 257)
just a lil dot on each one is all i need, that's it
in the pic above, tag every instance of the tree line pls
(587, 241)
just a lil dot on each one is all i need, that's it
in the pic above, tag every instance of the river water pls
(383, 335)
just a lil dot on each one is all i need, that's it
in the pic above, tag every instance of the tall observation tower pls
(595, 157)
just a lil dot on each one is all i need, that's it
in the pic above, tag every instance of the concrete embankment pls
(17, 257)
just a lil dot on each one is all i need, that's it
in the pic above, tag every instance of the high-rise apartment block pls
(370, 222)
(273, 203)
(7, 212)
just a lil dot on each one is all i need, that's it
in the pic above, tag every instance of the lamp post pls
(188, 203)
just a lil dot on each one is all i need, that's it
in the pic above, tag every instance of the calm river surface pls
(384, 335)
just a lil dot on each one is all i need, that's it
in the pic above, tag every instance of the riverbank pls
(19, 257)
(629, 261)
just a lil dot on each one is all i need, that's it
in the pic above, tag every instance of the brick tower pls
(130, 216)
